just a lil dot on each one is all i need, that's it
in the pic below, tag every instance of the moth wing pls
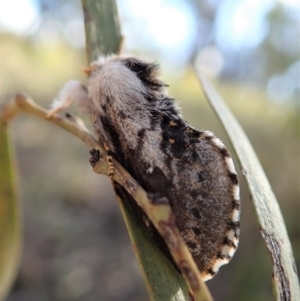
(207, 184)
(197, 175)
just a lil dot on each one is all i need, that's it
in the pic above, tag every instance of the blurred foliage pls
(274, 53)
(76, 244)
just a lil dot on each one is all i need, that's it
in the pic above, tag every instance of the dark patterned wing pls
(195, 172)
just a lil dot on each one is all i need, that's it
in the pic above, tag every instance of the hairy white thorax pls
(121, 85)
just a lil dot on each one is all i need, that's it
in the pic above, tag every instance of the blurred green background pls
(75, 242)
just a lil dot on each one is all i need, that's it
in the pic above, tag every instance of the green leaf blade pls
(272, 226)
(102, 28)
(163, 281)
(10, 221)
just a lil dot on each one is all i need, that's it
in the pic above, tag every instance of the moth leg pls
(111, 169)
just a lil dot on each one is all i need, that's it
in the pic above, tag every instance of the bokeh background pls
(75, 243)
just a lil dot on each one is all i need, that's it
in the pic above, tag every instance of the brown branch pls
(158, 210)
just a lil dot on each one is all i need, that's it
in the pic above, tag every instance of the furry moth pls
(142, 128)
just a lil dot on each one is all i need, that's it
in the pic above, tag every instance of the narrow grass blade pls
(271, 223)
(162, 281)
(102, 28)
(10, 224)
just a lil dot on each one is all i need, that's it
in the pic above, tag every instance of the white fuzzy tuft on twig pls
(72, 91)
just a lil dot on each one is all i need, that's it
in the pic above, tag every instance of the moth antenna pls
(121, 45)
(90, 69)
(73, 91)
(87, 70)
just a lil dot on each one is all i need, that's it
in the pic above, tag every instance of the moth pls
(142, 128)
